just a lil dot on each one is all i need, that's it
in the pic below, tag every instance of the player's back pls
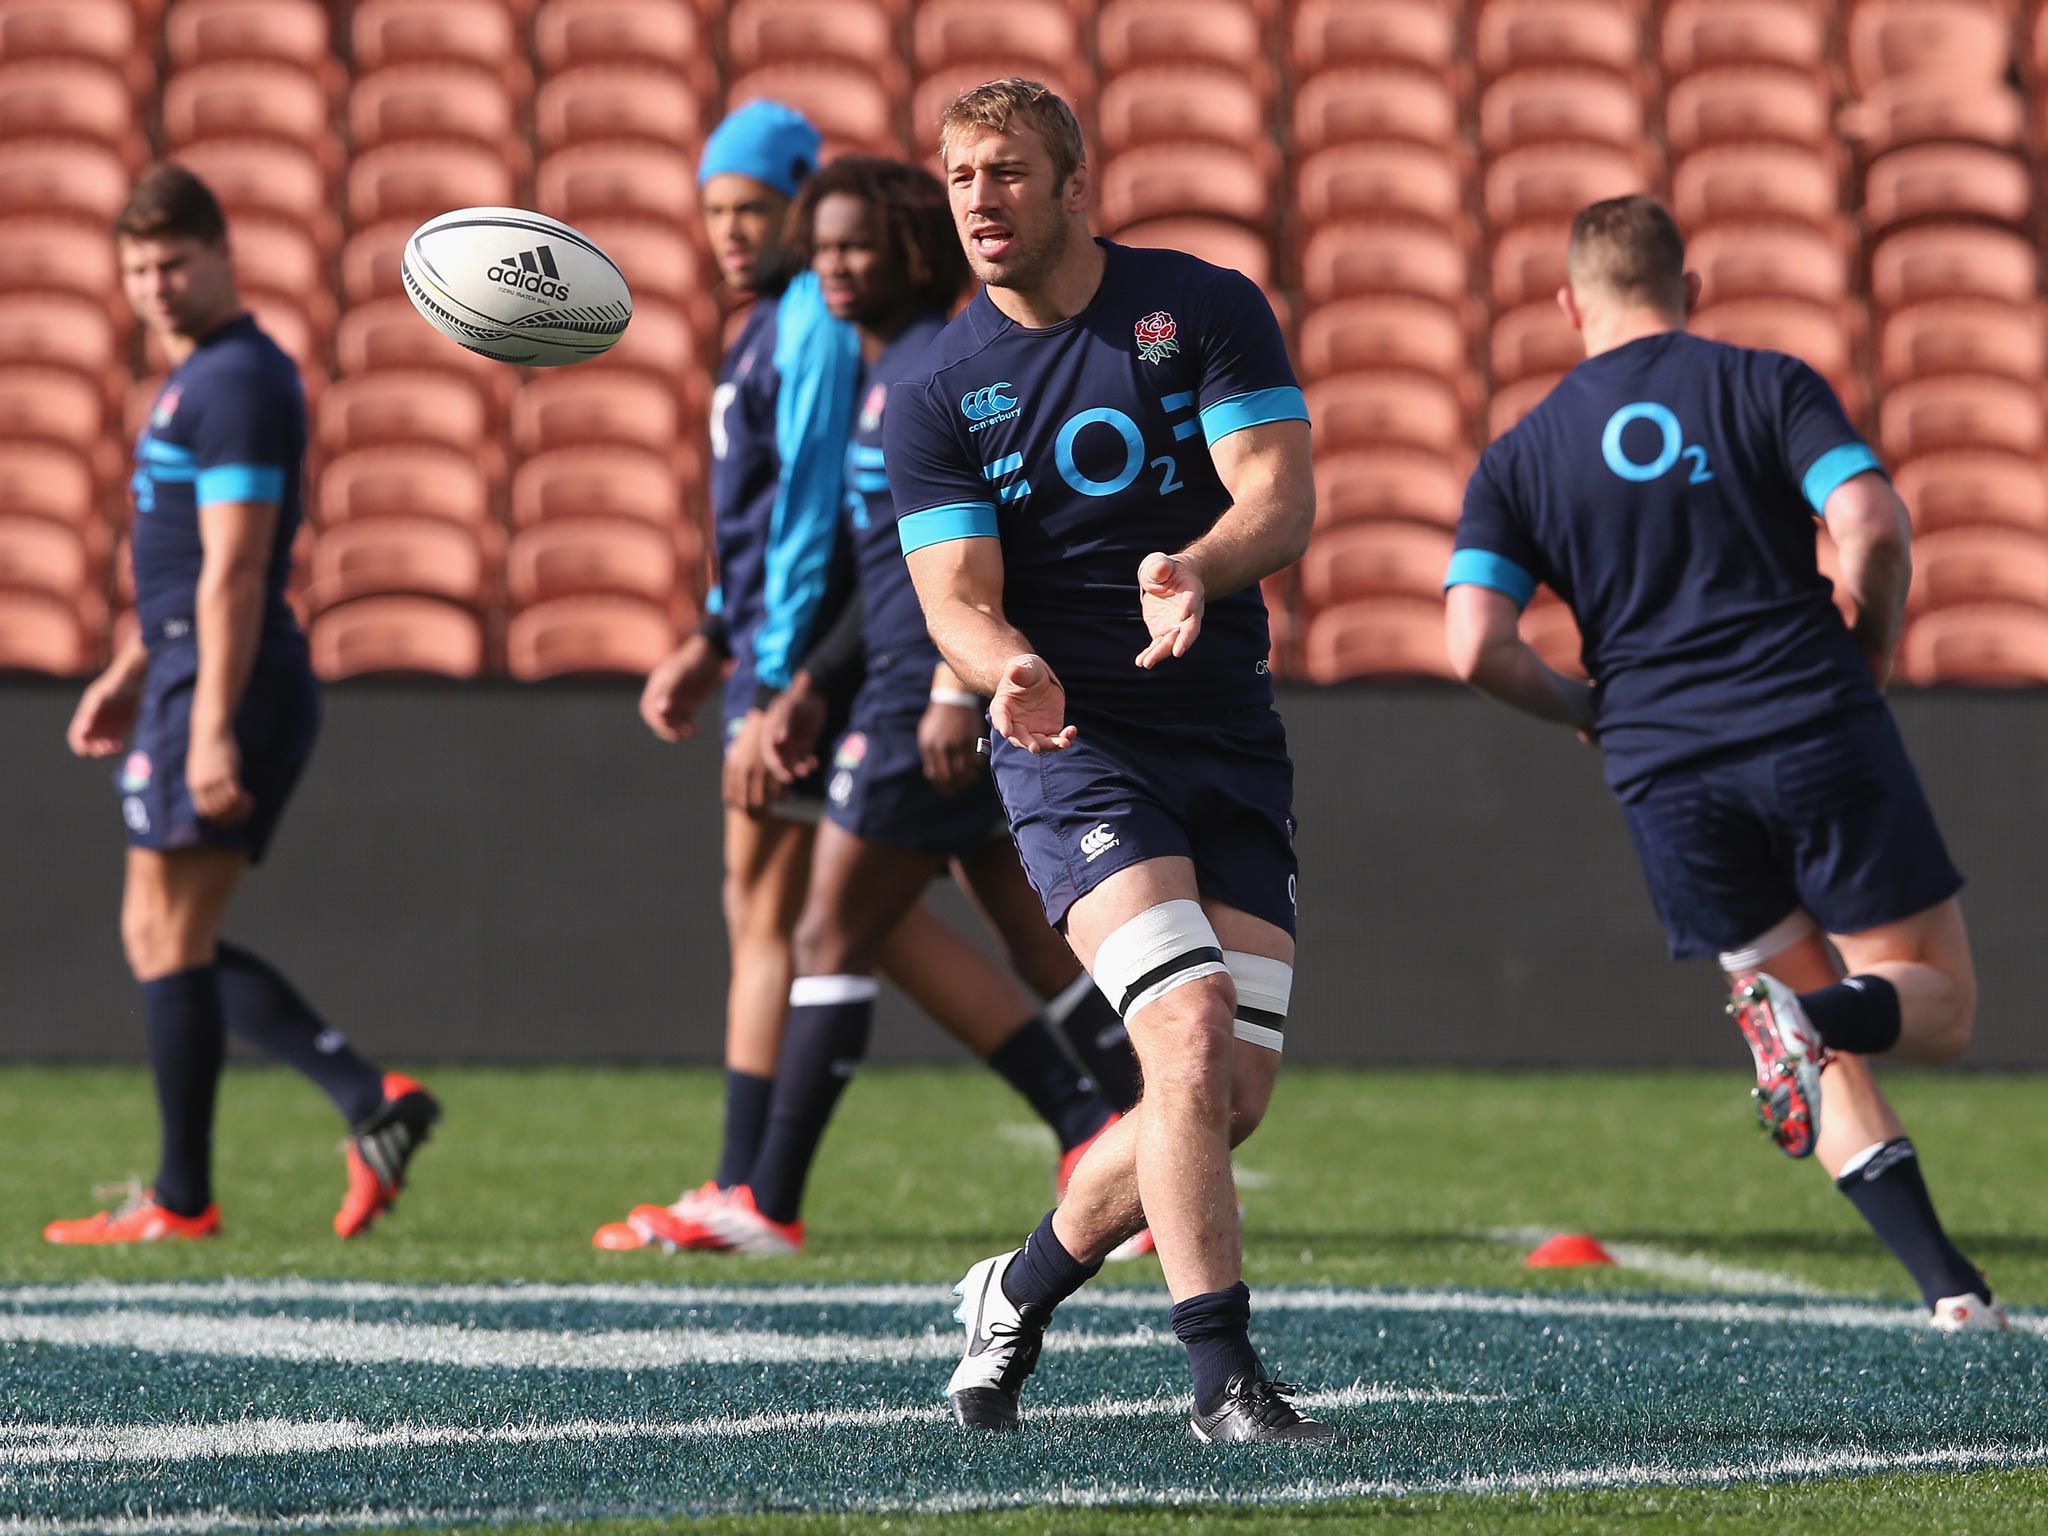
(1667, 490)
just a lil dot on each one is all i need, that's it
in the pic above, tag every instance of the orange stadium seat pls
(617, 177)
(568, 555)
(1961, 411)
(1958, 181)
(1390, 407)
(271, 175)
(1921, 109)
(659, 260)
(1030, 34)
(84, 29)
(571, 32)
(1745, 181)
(51, 403)
(1963, 336)
(1745, 103)
(1528, 264)
(1539, 106)
(1952, 261)
(1217, 241)
(563, 409)
(1384, 331)
(1552, 633)
(1162, 180)
(1506, 407)
(62, 176)
(2001, 643)
(80, 98)
(769, 31)
(1551, 181)
(936, 90)
(65, 330)
(1535, 338)
(1390, 482)
(417, 178)
(396, 406)
(258, 98)
(41, 555)
(1823, 336)
(1960, 40)
(1130, 33)
(404, 480)
(1957, 566)
(1380, 637)
(370, 261)
(50, 480)
(1377, 179)
(1969, 486)
(618, 101)
(199, 31)
(1325, 33)
(1179, 102)
(397, 634)
(566, 636)
(434, 101)
(389, 333)
(660, 341)
(44, 251)
(280, 256)
(1346, 105)
(425, 556)
(848, 103)
(1524, 34)
(1378, 558)
(1737, 260)
(1344, 259)
(40, 633)
(607, 481)
(482, 32)
(1700, 34)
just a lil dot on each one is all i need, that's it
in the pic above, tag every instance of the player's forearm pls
(1506, 669)
(125, 672)
(976, 641)
(1265, 530)
(228, 625)
(1877, 574)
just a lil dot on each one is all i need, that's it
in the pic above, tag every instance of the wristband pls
(959, 696)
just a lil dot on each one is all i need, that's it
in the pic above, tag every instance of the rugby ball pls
(516, 286)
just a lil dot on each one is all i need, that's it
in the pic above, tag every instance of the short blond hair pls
(1003, 105)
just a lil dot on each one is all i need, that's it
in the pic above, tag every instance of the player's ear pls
(1693, 285)
(1079, 183)
(1570, 306)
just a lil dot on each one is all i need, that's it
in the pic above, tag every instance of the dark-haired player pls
(1667, 490)
(1093, 468)
(906, 792)
(218, 706)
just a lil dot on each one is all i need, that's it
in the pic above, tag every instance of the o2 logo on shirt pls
(1134, 454)
(721, 402)
(1672, 446)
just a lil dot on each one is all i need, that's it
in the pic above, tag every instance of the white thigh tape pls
(1163, 947)
(1775, 940)
(1263, 989)
(824, 991)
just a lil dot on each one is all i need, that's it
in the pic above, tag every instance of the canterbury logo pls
(981, 404)
(531, 271)
(1097, 841)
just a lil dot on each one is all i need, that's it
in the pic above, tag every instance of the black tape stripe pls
(1250, 1015)
(1159, 973)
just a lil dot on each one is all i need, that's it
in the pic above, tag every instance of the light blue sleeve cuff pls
(1252, 410)
(714, 600)
(1483, 568)
(240, 482)
(938, 525)
(1831, 469)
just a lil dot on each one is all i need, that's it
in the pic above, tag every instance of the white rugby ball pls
(516, 286)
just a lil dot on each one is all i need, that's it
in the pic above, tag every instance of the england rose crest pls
(1155, 336)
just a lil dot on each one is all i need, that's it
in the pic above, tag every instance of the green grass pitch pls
(1753, 1364)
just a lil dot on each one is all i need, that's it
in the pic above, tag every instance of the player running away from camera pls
(1667, 491)
(217, 705)
(907, 793)
(1093, 467)
(779, 421)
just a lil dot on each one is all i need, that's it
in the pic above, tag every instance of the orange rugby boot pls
(138, 1220)
(379, 1149)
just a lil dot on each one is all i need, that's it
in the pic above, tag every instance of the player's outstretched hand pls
(790, 729)
(1030, 707)
(105, 715)
(213, 773)
(677, 686)
(948, 737)
(1172, 598)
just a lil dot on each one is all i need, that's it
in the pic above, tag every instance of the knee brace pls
(1162, 948)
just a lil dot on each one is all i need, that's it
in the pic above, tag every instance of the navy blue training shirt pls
(1667, 491)
(893, 637)
(228, 425)
(1084, 447)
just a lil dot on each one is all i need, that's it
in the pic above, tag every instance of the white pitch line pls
(1670, 1264)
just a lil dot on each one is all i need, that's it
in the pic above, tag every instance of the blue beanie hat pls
(772, 143)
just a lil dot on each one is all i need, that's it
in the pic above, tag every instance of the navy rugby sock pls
(822, 1047)
(746, 1122)
(187, 1043)
(1043, 1273)
(266, 1010)
(1859, 1014)
(1091, 1026)
(1216, 1328)
(1889, 1191)
(1030, 1062)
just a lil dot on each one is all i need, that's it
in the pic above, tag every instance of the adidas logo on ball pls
(531, 271)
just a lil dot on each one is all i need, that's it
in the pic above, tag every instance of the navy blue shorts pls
(875, 787)
(275, 729)
(1830, 818)
(1129, 791)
